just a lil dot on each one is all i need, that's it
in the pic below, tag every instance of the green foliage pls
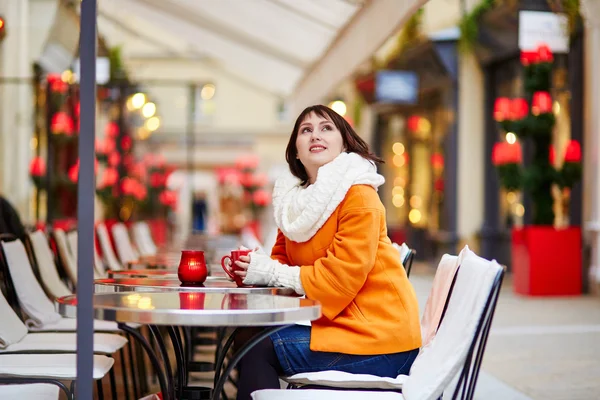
(510, 176)
(569, 174)
(117, 66)
(537, 77)
(469, 25)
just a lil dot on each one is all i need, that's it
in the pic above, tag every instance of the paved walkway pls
(539, 348)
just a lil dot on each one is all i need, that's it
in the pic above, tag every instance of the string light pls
(138, 100)
(339, 107)
(148, 110)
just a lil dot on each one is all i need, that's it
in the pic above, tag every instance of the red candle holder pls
(192, 267)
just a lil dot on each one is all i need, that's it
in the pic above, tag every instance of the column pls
(591, 14)
(16, 114)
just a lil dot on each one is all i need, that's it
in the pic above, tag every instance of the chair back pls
(44, 258)
(66, 258)
(408, 261)
(32, 299)
(107, 252)
(460, 341)
(143, 239)
(127, 254)
(12, 329)
(99, 271)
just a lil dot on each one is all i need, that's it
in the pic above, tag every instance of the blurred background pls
(487, 114)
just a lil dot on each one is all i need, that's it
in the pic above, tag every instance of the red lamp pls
(518, 109)
(502, 108)
(541, 103)
(192, 267)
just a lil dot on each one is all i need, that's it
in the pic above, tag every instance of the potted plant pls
(546, 255)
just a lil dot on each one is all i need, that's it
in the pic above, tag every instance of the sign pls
(102, 70)
(537, 27)
(401, 87)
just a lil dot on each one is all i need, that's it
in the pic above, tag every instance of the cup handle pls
(227, 271)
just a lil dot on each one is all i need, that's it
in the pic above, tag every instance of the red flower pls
(168, 198)
(573, 152)
(544, 54)
(109, 145)
(260, 180)
(56, 84)
(518, 109)
(247, 180)
(109, 178)
(506, 153)
(111, 130)
(37, 167)
(228, 175)
(541, 103)
(249, 161)
(157, 180)
(261, 198)
(502, 108)
(62, 123)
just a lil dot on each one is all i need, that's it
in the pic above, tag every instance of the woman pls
(332, 246)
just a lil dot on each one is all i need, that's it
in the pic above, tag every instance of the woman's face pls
(318, 143)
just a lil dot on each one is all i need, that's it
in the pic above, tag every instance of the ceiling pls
(267, 43)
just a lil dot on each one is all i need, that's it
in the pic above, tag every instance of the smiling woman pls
(332, 246)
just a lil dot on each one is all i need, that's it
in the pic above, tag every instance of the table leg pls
(238, 356)
(222, 352)
(153, 359)
(165, 357)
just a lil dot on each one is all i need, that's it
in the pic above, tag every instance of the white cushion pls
(346, 380)
(45, 261)
(106, 247)
(65, 342)
(58, 366)
(72, 238)
(125, 250)
(32, 298)
(65, 254)
(12, 329)
(70, 325)
(318, 394)
(30, 391)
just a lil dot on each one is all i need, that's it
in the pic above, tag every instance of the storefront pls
(418, 141)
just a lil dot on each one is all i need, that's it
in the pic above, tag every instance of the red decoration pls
(131, 187)
(37, 167)
(62, 123)
(541, 103)
(249, 161)
(126, 143)
(573, 152)
(56, 84)
(502, 108)
(438, 185)
(536, 270)
(111, 130)
(74, 173)
(261, 198)
(551, 155)
(192, 267)
(157, 180)
(168, 198)
(544, 54)
(109, 178)
(506, 153)
(518, 109)
(113, 159)
(413, 123)
(529, 57)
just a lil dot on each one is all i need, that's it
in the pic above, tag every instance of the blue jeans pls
(292, 346)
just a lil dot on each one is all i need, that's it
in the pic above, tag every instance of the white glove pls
(263, 270)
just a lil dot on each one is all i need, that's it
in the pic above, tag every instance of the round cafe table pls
(194, 309)
(216, 273)
(163, 285)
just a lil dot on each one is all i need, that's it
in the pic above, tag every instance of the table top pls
(116, 285)
(196, 308)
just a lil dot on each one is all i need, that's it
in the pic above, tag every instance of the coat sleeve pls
(279, 252)
(336, 279)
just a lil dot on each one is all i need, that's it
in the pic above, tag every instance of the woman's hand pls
(243, 263)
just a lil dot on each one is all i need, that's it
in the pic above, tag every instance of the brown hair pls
(352, 142)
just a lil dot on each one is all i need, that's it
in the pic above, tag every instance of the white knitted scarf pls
(301, 211)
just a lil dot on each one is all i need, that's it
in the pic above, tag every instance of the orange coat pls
(350, 267)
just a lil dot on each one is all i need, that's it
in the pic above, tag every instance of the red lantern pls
(413, 123)
(506, 153)
(541, 103)
(37, 168)
(518, 109)
(437, 161)
(573, 152)
(544, 54)
(529, 57)
(502, 109)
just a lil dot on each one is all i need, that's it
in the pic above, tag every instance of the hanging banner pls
(537, 27)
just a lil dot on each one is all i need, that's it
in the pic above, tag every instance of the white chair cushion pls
(346, 380)
(317, 394)
(12, 329)
(31, 391)
(65, 254)
(125, 250)
(70, 325)
(45, 261)
(104, 343)
(58, 366)
(32, 298)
